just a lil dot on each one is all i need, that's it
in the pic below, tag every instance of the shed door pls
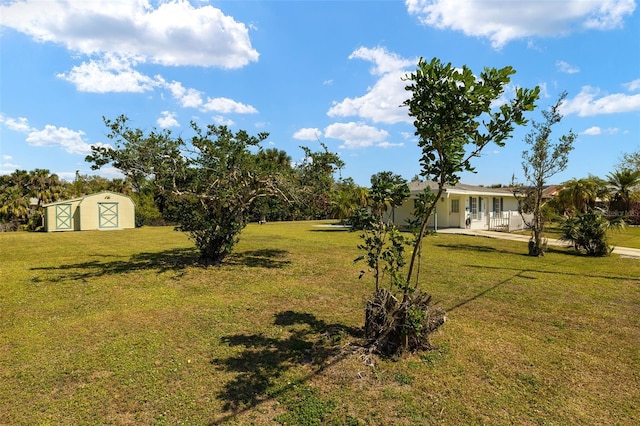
(107, 215)
(63, 216)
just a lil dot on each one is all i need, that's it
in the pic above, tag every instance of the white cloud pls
(167, 120)
(356, 135)
(175, 33)
(192, 98)
(389, 144)
(504, 21)
(226, 105)
(188, 98)
(382, 102)
(308, 134)
(407, 135)
(632, 85)
(109, 74)
(567, 68)
(71, 141)
(592, 131)
(589, 102)
(595, 131)
(384, 61)
(19, 124)
(223, 121)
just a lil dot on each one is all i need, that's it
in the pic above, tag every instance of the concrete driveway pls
(622, 251)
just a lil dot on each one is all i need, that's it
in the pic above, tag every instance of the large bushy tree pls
(208, 183)
(543, 160)
(315, 182)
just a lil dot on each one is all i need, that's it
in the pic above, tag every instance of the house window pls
(455, 206)
(473, 207)
(498, 205)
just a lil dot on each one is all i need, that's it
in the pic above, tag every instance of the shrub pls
(588, 232)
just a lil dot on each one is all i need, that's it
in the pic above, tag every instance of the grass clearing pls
(122, 328)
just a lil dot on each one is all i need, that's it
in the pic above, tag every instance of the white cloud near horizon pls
(357, 135)
(504, 21)
(167, 120)
(223, 121)
(590, 101)
(173, 34)
(226, 105)
(308, 134)
(72, 141)
(382, 102)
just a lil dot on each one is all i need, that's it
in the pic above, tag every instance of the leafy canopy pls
(455, 119)
(209, 184)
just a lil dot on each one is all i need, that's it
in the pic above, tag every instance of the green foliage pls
(579, 195)
(630, 160)
(454, 122)
(346, 198)
(383, 244)
(85, 184)
(624, 185)
(315, 182)
(540, 163)
(208, 185)
(22, 196)
(361, 219)
(588, 232)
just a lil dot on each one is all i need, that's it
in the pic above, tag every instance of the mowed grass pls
(123, 328)
(628, 236)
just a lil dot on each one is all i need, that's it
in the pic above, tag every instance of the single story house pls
(465, 206)
(104, 210)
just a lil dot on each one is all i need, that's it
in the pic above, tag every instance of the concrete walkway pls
(622, 251)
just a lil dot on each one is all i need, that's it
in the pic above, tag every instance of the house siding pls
(473, 203)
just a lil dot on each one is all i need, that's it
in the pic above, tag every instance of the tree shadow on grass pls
(575, 274)
(472, 247)
(263, 360)
(522, 274)
(265, 258)
(174, 260)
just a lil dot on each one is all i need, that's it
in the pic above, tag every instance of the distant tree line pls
(23, 193)
(312, 192)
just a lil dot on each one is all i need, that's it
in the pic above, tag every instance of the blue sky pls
(307, 71)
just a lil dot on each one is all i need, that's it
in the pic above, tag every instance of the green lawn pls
(121, 328)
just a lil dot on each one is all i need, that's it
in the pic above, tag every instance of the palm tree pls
(580, 195)
(623, 184)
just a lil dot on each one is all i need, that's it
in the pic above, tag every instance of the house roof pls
(417, 187)
(71, 200)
